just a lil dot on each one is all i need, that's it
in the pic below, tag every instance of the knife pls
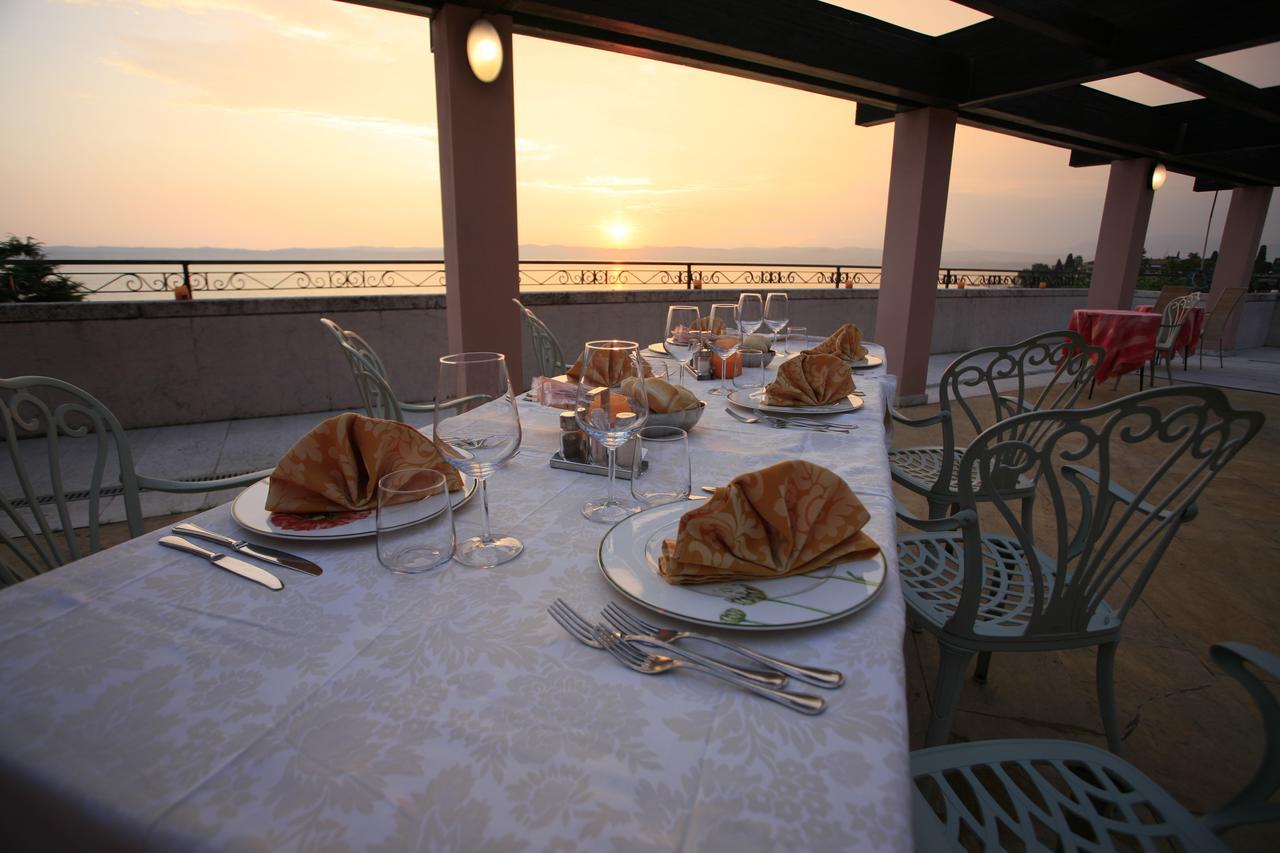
(222, 561)
(258, 552)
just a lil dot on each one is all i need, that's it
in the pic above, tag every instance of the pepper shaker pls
(572, 439)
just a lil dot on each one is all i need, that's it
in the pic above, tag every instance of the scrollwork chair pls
(371, 378)
(546, 349)
(1038, 581)
(38, 418)
(931, 471)
(1172, 319)
(1063, 795)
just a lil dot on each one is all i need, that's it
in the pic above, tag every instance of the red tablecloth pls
(1129, 337)
(1189, 334)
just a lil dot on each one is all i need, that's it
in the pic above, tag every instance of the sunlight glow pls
(618, 232)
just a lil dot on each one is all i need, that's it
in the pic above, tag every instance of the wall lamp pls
(1158, 175)
(484, 50)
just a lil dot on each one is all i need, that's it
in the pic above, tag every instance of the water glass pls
(414, 520)
(797, 339)
(725, 341)
(776, 312)
(750, 314)
(611, 413)
(752, 375)
(661, 472)
(681, 339)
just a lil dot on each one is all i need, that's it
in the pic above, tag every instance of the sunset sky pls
(311, 123)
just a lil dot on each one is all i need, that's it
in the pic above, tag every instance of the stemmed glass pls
(775, 312)
(750, 314)
(682, 340)
(477, 429)
(724, 342)
(610, 414)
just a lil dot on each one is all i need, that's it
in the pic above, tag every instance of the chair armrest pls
(918, 422)
(961, 519)
(159, 484)
(418, 407)
(1250, 804)
(1121, 493)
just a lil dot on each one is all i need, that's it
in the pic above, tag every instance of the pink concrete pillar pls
(478, 188)
(1125, 215)
(918, 183)
(1241, 237)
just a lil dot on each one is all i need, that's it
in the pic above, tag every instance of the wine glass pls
(750, 313)
(724, 339)
(477, 429)
(775, 312)
(611, 413)
(682, 340)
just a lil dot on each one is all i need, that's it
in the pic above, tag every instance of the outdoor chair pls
(931, 471)
(50, 427)
(1064, 795)
(1215, 325)
(371, 378)
(1046, 579)
(546, 349)
(1167, 295)
(1176, 314)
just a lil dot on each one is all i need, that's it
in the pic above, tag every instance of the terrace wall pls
(161, 363)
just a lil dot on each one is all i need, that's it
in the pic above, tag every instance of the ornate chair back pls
(372, 382)
(40, 417)
(1085, 531)
(546, 349)
(1171, 319)
(976, 376)
(1167, 295)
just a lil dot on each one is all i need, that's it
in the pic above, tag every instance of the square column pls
(917, 212)
(1241, 237)
(1125, 215)
(477, 138)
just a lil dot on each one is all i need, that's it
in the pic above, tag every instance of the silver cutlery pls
(584, 632)
(795, 423)
(630, 624)
(249, 549)
(649, 664)
(222, 561)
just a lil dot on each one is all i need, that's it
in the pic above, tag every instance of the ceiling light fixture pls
(484, 50)
(1158, 175)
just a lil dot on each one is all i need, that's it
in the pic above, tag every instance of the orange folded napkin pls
(786, 519)
(810, 380)
(336, 466)
(845, 342)
(663, 397)
(607, 368)
(706, 324)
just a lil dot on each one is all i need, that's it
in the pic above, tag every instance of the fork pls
(630, 624)
(584, 632)
(633, 658)
(779, 423)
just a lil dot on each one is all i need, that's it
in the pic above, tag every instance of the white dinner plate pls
(659, 349)
(629, 556)
(249, 511)
(866, 363)
(754, 400)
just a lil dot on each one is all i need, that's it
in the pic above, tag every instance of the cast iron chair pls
(1062, 795)
(1215, 325)
(546, 349)
(1176, 315)
(1046, 582)
(931, 471)
(371, 378)
(38, 417)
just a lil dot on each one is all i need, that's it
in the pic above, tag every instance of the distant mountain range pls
(844, 255)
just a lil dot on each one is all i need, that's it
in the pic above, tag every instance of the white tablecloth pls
(150, 699)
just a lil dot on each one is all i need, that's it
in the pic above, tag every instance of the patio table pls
(150, 701)
(1129, 338)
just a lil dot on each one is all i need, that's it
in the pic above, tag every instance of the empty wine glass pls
(750, 313)
(477, 429)
(682, 340)
(776, 312)
(611, 409)
(724, 339)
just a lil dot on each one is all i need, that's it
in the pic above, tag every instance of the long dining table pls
(151, 701)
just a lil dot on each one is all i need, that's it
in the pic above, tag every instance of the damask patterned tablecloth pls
(1129, 337)
(151, 701)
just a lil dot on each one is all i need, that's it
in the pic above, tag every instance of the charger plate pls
(753, 399)
(629, 561)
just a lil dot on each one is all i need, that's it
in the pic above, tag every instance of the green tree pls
(26, 275)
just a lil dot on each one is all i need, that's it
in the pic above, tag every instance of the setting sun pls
(618, 232)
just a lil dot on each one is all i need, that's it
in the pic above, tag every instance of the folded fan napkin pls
(845, 342)
(809, 380)
(714, 325)
(336, 466)
(607, 368)
(786, 519)
(663, 397)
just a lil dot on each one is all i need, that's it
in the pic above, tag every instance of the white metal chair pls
(546, 349)
(370, 375)
(38, 417)
(1176, 315)
(1012, 581)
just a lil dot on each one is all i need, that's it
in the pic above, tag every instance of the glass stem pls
(612, 471)
(484, 502)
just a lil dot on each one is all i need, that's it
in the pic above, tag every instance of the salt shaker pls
(573, 440)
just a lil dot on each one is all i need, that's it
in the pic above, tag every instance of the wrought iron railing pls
(250, 277)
